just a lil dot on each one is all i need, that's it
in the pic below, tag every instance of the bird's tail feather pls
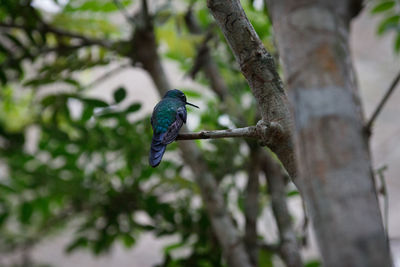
(157, 150)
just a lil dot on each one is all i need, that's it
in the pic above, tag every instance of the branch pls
(289, 248)
(107, 75)
(258, 67)
(44, 27)
(251, 204)
(249, 132)
(383, 101)
(123, 11)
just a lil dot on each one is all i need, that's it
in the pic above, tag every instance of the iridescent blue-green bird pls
(167, 119)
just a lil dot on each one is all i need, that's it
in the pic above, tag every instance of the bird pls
(166, 120)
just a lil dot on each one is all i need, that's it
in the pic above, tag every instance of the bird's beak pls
(187, 103)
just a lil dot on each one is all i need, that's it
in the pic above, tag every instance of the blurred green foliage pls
(389, 13)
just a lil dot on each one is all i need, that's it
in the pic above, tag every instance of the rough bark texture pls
(231, 243)
(258, 67)
(334, 169)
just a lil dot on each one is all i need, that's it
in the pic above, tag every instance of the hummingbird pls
(167, 119)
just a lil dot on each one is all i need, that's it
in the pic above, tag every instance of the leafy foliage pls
(390, 22)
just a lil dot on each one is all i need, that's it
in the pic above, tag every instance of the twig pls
(289, 248)
(51, 29)
(250, 132)
(378, 109)
(251, 204)
(303, 237)
(383, 191)
(123, 11)
(107, 75)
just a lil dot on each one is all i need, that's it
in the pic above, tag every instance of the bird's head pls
(175, 93)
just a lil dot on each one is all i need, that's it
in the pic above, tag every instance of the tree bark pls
(258, 67)
(334, 167)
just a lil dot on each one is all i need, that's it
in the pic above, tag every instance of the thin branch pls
(383, 191)
(251, 204)
(123, 11)
(107, 75)
(289, 248)
(378, 109)
(304, 227)
(51, 29)
(249, 132)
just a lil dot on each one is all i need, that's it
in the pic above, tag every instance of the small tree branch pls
(250, 132)
(51, 29)
(289, 248)
(251, 204)
(266, 132)
(107, 75)
(383, 101)
(123, 11)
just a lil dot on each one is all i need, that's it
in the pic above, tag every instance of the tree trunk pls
(333, 163)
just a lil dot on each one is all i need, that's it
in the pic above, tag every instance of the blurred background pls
(75, 101)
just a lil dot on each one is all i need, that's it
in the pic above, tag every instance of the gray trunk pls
(333, 163)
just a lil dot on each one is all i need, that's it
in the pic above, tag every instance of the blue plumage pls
(167, 119)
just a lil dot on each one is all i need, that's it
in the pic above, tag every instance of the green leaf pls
(265, 258)
(397, 43)
(389, 23)
(94, 102)
(119, 94)
(80, 242)
(133, 108)
(94, 6)
(383, 7)
(128, 240)
(191, 94)
(293, 193)
(26, 211)
(6, 188)
(87, 113)
(313, 263)
(168, 248)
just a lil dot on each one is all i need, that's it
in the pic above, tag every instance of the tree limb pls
(289, 248)
(250, 132)
(258, 67)
(383, 101)
(251, 204)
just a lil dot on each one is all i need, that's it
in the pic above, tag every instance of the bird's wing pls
(174, 128)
